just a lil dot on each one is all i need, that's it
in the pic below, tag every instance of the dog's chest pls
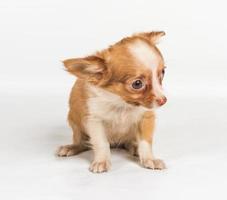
(119, 120)
(117, 115)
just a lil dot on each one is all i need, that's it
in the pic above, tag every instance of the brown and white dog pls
(113, 100)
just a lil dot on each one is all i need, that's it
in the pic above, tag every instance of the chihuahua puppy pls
(113, 100)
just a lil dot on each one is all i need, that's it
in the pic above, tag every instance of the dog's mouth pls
(148, 107)
(133, 103)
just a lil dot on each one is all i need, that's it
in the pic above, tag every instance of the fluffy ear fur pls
(153, 36)
(91, 68)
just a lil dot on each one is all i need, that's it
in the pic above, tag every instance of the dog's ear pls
(91, 68)
(153, 37)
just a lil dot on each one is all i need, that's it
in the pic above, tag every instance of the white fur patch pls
(113, 111)
(146, 56)
(157, 88)
(98, 139)
(144, 150)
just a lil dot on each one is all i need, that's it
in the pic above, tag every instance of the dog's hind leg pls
(132, 148)
(78, 146)
(70, 150)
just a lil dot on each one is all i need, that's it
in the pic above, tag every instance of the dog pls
(113, 101)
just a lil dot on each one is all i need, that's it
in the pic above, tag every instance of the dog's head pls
(132, 68)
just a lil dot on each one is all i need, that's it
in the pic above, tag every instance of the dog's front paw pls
(100, 166)
(153, 163)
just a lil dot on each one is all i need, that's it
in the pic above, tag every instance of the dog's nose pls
(161, 100)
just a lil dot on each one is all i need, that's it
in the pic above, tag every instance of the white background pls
(191, 131)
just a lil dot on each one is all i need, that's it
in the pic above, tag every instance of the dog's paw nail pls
(99, 167)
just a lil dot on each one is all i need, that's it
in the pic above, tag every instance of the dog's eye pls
(137, 84)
